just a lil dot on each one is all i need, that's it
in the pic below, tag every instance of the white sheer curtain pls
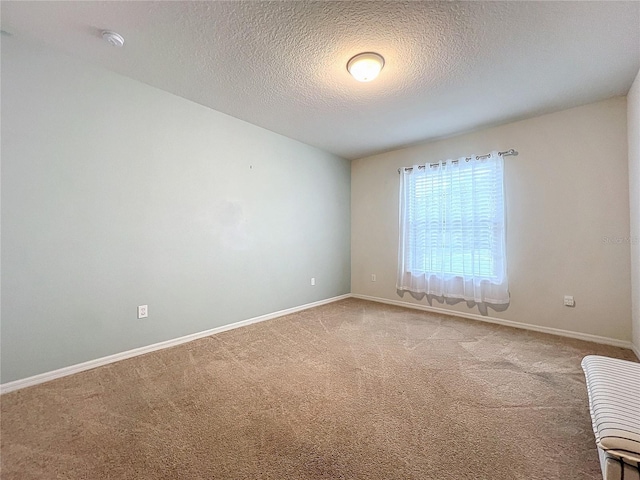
(452, 230)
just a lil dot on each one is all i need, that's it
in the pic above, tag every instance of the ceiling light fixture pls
(113, 38)
(364, 67)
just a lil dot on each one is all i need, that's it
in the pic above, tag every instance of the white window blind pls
(452, 230)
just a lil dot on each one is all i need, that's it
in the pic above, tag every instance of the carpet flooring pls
(349, 390)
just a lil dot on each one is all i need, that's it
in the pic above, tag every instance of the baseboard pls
(98, 362)
(81, 367)
(509, 323)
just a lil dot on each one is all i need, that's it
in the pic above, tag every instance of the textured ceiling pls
(450, 66)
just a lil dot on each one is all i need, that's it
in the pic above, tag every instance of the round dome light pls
(364, 67)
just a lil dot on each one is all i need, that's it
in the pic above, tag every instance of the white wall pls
(567, 193)
(116, 194)
(633, 121)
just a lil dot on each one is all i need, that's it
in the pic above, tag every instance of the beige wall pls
(633, 120)
(566, 191)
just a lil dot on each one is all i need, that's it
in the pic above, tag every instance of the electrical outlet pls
(143, 311)
(313, 280)
(568, 301)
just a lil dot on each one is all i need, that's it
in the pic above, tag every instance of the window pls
(452, 230)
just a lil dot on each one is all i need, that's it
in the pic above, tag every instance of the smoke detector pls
(112, 38)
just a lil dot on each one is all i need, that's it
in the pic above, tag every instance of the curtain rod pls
(506, 153)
